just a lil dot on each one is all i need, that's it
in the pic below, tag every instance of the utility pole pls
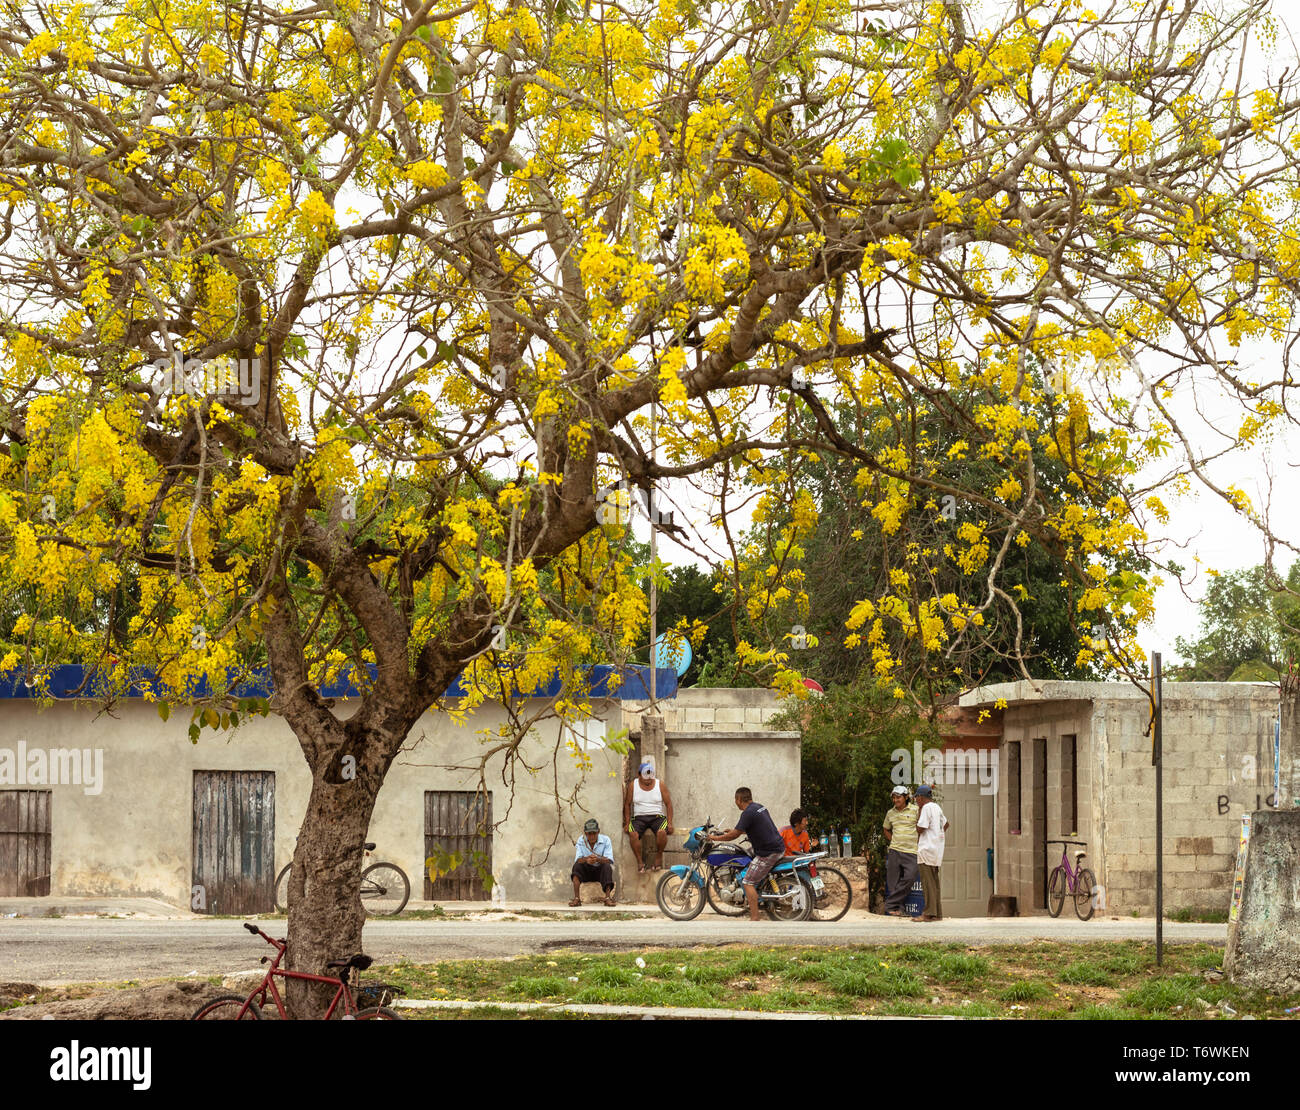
(654, 558)
(1157, 759)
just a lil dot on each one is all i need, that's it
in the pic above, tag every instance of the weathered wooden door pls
(25, 843)
(966, 885)
(234, 842)
(458, 822)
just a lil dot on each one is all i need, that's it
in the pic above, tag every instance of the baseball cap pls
(646, 767)
(592, 825)
(899, 790)
(924, 791)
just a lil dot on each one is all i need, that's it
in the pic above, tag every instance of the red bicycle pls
(231, 1007)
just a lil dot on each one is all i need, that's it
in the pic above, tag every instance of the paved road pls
(71, 950)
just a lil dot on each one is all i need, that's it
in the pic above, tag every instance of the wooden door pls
(458, 822)
(234, 841)
(966, 885)
(25, 843)
(1041, 868)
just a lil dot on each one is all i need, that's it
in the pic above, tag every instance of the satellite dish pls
(675, 653)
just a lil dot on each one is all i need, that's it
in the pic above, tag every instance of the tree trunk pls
(325, 915)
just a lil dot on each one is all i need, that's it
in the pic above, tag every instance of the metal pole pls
(1157, 757)
(654, 555)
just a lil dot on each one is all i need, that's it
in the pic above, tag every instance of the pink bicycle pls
(1078, 881)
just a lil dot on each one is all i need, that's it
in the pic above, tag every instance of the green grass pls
(953, 968)
(1085, 973)
(1026, 990)
(1101, 980)
(1187, 913)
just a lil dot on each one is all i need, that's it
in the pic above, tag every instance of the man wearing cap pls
(931, 827)
(900, 861)
(769, 848)
(593, 862)
(647, 805)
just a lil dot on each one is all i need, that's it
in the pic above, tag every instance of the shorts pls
(652, 822)
(758, 871)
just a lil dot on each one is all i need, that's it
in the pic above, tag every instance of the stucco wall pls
(135, 836)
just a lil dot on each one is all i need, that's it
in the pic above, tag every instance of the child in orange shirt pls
(795, 834)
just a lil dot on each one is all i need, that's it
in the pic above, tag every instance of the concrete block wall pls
(705, 709)
(1216, 766)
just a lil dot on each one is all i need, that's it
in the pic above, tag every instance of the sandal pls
(609, 900)
(575, 901)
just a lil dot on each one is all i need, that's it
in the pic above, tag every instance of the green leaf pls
(422, 351)
(295, 347)
(443, 79)
(194, 734)
(164, 710)
(423, 32)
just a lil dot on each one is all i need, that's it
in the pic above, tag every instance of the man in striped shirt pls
(901, 867)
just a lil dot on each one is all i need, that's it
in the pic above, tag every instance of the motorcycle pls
(785, 895)
(831, 891)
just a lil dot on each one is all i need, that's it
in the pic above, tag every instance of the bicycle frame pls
(267, 985)
(1071, 875)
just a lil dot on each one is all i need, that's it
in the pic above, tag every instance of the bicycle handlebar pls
(1081, 843)
(252, 928)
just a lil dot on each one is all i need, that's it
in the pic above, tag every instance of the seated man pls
(593, 862)
(647, 807)
(795, 834)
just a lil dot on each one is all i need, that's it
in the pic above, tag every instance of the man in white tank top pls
(647, 806)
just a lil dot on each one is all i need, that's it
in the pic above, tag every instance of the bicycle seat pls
(360, 961)
(370, 847)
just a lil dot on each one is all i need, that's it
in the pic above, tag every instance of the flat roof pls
(1025, 692)
(73, 681)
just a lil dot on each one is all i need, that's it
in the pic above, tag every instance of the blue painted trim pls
(69, 680)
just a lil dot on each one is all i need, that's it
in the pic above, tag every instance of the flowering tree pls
(327, 332)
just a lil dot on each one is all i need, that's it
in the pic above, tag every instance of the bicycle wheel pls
(790, 909)
(723, 888)
(835, 898)
(384, 889)
(678, 896)
(226, 1008)
(1056, 891)
(282, 889)
(1083, 894)
(378, 1013)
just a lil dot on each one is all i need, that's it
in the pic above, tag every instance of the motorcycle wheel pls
(679, 897)
(725, 875)
(790, 909)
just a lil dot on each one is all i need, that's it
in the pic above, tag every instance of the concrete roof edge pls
(1023, 692)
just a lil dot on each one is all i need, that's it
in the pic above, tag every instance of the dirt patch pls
(169, 1001)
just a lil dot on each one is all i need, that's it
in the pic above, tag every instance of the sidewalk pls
(124, 906)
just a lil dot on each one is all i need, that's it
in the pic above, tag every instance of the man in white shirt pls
(593, 862)
(647, 807)
(931, 827)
